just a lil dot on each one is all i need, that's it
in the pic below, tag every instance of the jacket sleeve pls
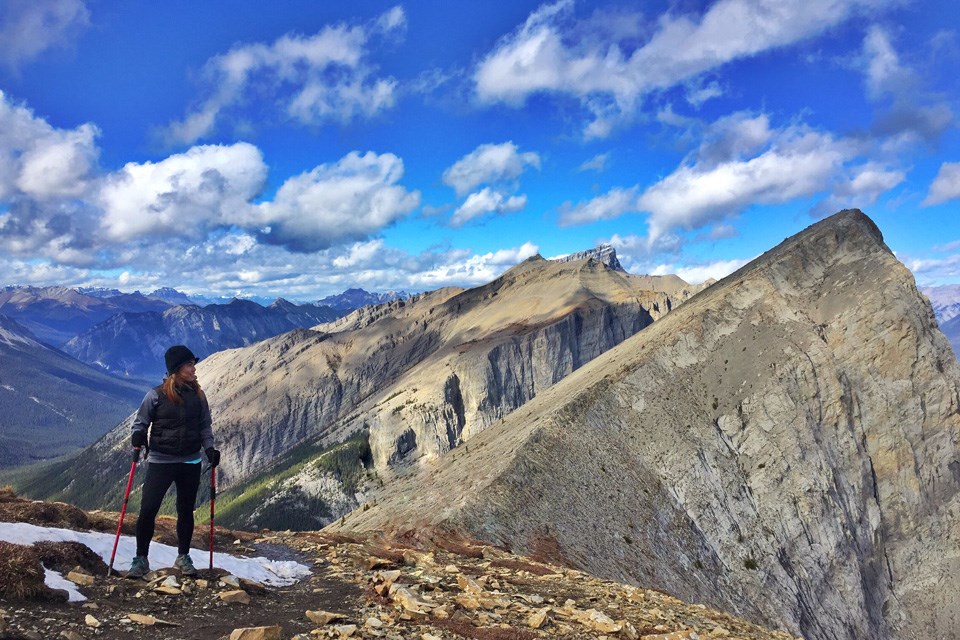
(146, 412)
(206, 424)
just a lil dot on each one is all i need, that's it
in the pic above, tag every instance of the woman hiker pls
(178, 418)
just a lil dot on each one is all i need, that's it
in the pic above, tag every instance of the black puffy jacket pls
(175, 429)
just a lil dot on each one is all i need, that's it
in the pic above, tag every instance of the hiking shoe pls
(139, 567)
(185, 565)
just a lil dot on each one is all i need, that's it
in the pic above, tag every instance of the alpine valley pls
(116, 341)
(782, 445)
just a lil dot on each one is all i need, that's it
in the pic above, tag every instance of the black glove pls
(213, 456)
(139, 439)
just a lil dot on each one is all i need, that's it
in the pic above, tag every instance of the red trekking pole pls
(123, 510)
(213, 499)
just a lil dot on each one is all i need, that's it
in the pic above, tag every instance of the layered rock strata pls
(783, 446)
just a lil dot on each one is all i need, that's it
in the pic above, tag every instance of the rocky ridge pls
(422, 376)
(782, 446)
(360, 587)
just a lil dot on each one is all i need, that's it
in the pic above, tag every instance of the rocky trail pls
(359, 587)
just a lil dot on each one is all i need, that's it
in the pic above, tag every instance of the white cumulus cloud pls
(882, 68)
(30, 27)
(40, 161)
(486, 201)
(319, 78)
(862, 189)
(608, 206)
(360, 253)
(800, 163)
(344, 201)
(946, 186)
(489, 163)
(553, 52)
(184, 194)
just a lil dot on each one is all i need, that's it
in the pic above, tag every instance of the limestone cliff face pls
(785, 446)
(425, 374)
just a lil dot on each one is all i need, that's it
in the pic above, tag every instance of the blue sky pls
(300, 148)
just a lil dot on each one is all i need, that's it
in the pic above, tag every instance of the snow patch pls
(55, 580)
(269, 572)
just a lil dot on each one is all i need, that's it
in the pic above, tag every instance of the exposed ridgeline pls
(783, 446)
(425, 374)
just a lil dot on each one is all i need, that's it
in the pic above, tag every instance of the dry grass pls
(64, 556)
(21, 574)
(51, 514)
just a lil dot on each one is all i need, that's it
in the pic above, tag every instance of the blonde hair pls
(174, 380)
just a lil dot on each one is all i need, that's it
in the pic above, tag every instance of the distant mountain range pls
(945, 301)
(51, 404)
(132, 344)
(56, 314)
(356, 298)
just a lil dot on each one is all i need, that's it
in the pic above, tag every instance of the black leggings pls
(159, 478)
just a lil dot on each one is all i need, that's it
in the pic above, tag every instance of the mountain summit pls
(603, 253)
(783, 446)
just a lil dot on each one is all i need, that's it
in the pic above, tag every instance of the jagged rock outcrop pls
(783, 446)
(602, 253)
